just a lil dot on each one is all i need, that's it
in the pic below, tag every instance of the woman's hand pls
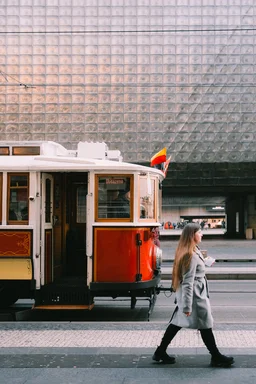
(187, 313)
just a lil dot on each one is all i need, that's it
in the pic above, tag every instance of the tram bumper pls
(125, 289)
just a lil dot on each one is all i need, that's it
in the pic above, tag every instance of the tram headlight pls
(158, 255)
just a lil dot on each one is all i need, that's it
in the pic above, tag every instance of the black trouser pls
(206, 334)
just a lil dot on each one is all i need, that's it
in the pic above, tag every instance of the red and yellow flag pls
(158, 158)
(160, 162)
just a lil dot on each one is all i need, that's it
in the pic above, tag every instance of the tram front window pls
(114, 197)
(147, 198)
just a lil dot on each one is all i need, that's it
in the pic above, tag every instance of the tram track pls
(230, 295)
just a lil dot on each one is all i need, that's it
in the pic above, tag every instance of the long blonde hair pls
(184, 252)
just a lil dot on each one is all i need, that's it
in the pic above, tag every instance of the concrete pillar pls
(251, 213)
(235, 211)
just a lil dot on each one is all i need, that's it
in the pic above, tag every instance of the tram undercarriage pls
(72, 293)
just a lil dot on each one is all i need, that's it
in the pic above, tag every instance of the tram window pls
(113, 197)
(17, 198)
(147, 194)
(4, 151)
(48, 204)
(26, 151)
(81, 204)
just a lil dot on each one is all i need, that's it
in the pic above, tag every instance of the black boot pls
(161, 355)
(217, 360)
(221, 360)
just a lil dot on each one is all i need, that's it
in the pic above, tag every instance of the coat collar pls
(198, 252)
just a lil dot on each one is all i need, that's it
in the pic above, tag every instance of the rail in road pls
(232, 301)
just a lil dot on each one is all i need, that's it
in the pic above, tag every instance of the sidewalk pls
(121, 335)
(119, 353)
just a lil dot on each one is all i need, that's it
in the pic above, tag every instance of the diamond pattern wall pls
(137, 74)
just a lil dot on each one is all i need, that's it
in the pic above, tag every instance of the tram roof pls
(63, 160)
(44, 163)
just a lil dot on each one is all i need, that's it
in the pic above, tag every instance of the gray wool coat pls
(193, 296)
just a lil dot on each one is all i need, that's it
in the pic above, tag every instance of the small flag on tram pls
(159, 161)
(158, 158)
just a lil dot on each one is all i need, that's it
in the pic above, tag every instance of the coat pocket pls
(199, 287)
(202, 288)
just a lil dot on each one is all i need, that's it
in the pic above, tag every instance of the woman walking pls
(193, 308)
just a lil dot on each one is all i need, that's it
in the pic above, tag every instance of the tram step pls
(64, 307)
(61, 295)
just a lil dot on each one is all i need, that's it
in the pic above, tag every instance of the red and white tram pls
(76, 225)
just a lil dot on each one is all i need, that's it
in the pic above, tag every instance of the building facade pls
(139, 75)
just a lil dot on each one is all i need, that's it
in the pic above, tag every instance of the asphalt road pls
(231, 302)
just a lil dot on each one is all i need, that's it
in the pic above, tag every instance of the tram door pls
(76, 235)
(47, 228)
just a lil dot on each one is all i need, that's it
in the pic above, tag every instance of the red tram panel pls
(119, 258)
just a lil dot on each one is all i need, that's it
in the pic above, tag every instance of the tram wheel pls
(7, 296)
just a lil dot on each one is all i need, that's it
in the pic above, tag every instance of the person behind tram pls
(193, 308)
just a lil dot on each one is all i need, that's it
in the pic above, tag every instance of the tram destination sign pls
(115, 181)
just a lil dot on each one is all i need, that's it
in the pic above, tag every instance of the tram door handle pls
(139, 244)
(54, 220)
